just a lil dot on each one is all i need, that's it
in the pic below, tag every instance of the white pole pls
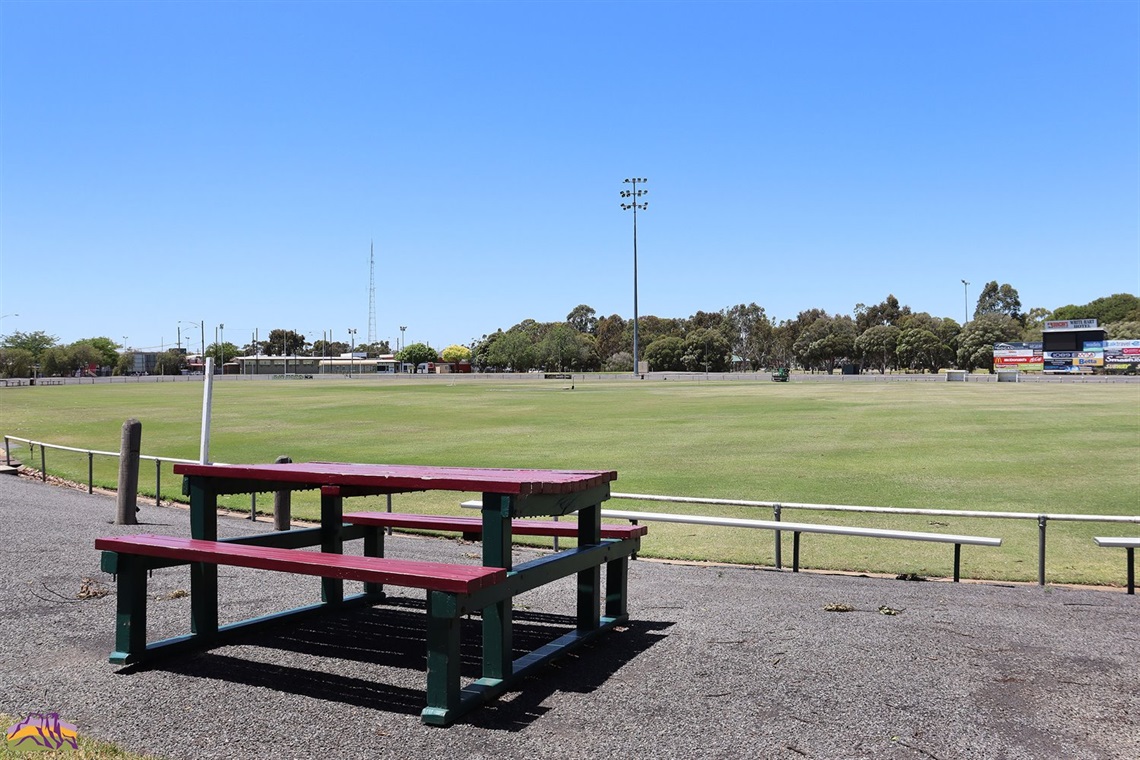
(207, 403)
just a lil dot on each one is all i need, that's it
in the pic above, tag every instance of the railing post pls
(795, 551)
(957, 560)
(282, 502)
(253, 506)
(43, 463)
(90, 472)
(1041, 521)
(158, 482)
(129, 473)
(7, 452)
(389, 512)
(776, 517)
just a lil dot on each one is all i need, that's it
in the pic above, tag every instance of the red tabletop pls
(399, 477)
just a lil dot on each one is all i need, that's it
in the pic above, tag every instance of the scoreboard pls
(1073, 346)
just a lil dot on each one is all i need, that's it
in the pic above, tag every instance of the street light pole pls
(202, 327)
(632, 195)
(401, 346)
(965, 302)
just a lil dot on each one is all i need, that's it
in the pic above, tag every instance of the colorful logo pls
(42, 731)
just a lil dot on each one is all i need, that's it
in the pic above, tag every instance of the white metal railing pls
(158, 462)
(91, 453)
(777, 508)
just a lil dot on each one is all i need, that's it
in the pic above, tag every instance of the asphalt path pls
(716, 662)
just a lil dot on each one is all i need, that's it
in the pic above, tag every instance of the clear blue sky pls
(230, 162)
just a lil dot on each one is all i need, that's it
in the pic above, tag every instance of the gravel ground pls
(717, 662)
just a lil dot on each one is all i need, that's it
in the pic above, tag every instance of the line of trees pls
(24, 354)
(884, 336)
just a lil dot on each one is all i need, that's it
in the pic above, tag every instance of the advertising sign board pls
(1026, 357)
(1071, 324)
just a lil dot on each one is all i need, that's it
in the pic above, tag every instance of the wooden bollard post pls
(129, 473)
(282, 502)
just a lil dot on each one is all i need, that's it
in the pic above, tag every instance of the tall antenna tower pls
(371, 292)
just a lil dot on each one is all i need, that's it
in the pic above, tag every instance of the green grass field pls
(1062, 448)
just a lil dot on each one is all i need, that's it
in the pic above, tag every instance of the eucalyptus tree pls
(920, 349)
(998, 299)
(665, 354)
(877, 346)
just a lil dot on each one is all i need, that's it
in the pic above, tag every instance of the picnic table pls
(508, 497)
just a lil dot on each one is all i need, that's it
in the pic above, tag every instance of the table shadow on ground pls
(393, 636)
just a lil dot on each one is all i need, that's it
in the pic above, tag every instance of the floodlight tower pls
(632, 195)
(965, 302)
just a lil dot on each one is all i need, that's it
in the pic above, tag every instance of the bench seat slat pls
(567, 529)
(1117, 542)
(436, 576)
(792, 527)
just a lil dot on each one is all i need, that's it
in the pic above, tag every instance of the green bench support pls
(450, 590)
(1129, 545)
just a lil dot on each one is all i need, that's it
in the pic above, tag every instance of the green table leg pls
(373, 547)
(130, 612)
(617, 585)
(498, 653)
(589, 580)
(332, 520)
(203, 577)
(442, 659)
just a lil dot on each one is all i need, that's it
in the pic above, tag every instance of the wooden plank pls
(568, 529)
(409, 477)
(437, 576)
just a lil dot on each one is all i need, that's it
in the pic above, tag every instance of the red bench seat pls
(474, 525)
(434, 576)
